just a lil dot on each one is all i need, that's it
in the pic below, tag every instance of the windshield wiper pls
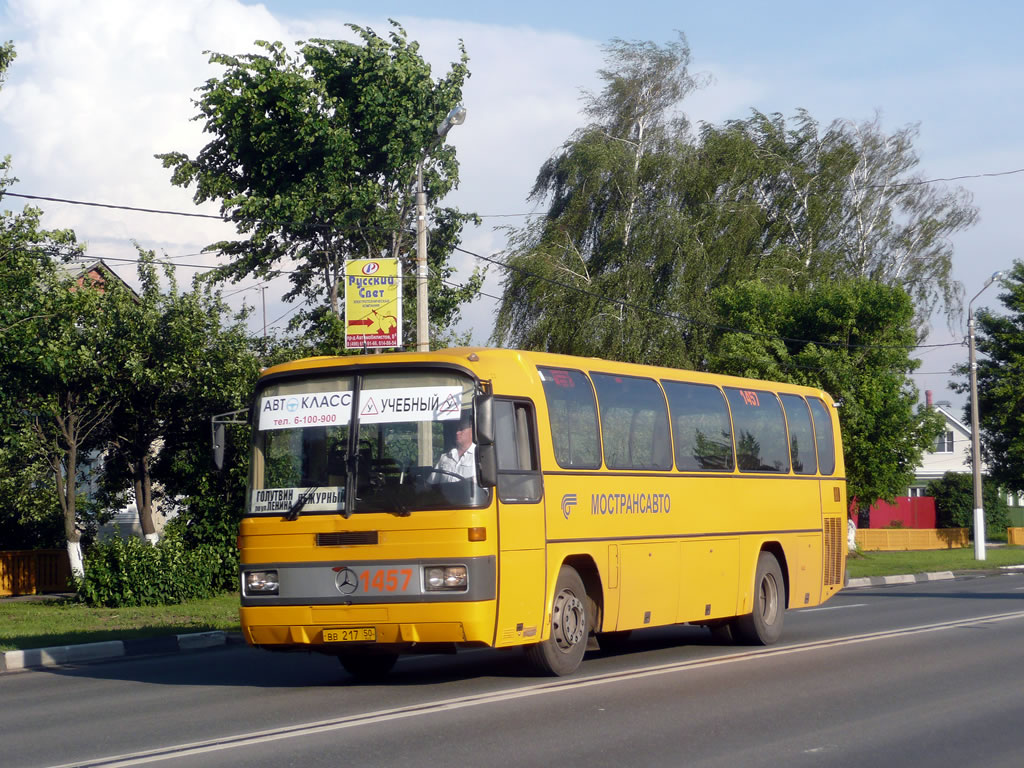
(296, 509)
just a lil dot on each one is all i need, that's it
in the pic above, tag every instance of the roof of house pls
(77, 270)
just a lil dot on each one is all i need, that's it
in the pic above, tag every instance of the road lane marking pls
(832, 608)
(427, 708)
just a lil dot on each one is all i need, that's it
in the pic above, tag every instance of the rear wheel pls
(367, 667)
(763, 626)
(563, 651)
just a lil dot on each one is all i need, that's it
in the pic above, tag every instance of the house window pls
(944, 442)
(916, 491)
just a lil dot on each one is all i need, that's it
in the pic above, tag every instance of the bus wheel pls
(563, 651)
(763, 626)
(367, 667)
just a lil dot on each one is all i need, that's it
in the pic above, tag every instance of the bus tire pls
(763, 625)
(367, 667)
(563, 651)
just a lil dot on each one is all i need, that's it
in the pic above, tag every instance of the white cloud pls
(99, 88)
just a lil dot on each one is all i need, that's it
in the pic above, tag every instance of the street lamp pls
(456, 117)
(979, 512)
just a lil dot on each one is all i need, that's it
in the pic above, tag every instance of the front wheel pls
(563, 651)
(763, 626)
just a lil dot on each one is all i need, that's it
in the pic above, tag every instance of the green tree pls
(186, 359)
(49, 361)
(852, 339)
(836, 202)
(999, 340)
(954, 502)
(57, 367)
(314, 160)
(615, 234)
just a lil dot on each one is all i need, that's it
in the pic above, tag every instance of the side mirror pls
(218, 445)
(486, 453)
(487, 460)
(483, 407)
(217, 436)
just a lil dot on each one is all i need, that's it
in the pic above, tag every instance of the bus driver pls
(460, 460)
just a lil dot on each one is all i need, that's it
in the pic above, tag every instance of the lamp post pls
(979, 511)
(456, 117)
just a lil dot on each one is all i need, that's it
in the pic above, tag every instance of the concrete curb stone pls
(60, 655)
(917, 578)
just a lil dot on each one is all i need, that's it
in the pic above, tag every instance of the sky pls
(101, 86)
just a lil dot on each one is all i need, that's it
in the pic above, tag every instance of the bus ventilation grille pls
(834, 541)
(346, 538)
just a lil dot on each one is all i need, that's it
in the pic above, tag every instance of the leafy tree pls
(843, 201)
(612, 239)
(853, 340)
(314, 159)
(999, 340)
(186, 360)
(50, 359)
(645, 221)
(954, 502)
(57, 365)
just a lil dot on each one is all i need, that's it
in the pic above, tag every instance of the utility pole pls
(979, 511)
(456, 117)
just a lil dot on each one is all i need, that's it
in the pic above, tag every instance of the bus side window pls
(519, 478)
(634, 422)
(700, 427)
(761, 444)
(572, 411)
(801, 434)
(823, 436)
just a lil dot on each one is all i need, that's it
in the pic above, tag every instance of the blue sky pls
(100, 86)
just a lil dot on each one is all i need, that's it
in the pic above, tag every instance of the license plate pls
(351, 635)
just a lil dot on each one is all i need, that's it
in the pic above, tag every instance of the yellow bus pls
(425, 502)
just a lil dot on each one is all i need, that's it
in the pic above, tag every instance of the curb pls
(59, 655)
(917, 578)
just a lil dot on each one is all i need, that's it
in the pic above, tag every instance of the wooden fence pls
(898, 539)
(34, 571)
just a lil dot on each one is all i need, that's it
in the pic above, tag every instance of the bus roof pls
(487, 362)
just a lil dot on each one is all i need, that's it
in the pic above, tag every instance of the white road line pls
(833, 608)
(427, 708)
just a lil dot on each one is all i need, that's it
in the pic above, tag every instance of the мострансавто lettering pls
(630, 503)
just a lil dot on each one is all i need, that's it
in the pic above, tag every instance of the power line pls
(503, 265)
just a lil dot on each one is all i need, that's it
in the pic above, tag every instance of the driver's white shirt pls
(463, 466)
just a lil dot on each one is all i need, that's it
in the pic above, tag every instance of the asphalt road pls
(927, 674)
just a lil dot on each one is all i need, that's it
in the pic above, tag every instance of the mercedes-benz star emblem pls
(346, 581)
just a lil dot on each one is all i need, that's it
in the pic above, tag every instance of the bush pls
(130, 571)
(954, 502)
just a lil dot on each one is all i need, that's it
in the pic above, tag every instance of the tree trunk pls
(75, 558)
(144, 500)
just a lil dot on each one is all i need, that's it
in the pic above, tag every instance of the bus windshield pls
(380, 441)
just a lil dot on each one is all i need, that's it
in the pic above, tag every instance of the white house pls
(951, 452)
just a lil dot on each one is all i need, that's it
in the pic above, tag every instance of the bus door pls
(520, 502)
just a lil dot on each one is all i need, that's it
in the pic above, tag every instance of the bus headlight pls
(261, 582)
(438, 578)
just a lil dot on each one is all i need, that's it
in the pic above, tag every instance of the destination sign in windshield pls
(326, 409)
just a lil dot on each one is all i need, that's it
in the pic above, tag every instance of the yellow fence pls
(897, 539)
(1015, 536)
(31, 572)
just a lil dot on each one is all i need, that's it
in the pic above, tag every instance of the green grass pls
(31, 624)
(896, 563)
